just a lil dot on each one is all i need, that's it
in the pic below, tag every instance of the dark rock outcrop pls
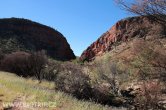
(25, 35)
(122, 31)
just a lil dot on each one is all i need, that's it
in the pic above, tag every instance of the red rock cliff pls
(121, 32)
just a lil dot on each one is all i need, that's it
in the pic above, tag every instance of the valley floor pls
(28, 94)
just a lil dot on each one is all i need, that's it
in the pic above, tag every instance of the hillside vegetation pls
(15, 89)
(123, 68)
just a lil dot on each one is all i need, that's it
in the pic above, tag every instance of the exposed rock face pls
(25, 35)
(123, 31)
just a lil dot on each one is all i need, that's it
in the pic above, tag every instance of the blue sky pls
(80, 21)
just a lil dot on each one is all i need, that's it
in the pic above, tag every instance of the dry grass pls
(13, 87)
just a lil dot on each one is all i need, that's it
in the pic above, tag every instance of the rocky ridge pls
(122, 31)
(24, 35)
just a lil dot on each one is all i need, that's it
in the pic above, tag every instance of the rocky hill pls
(25, 35)
(123, 31)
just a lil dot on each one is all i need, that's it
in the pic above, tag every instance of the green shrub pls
(52, 69)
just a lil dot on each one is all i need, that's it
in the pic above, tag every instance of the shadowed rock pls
(25, 35)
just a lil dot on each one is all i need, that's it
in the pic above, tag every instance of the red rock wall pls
(121, 32)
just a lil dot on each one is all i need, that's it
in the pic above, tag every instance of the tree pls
(37, 62)
(155, 9)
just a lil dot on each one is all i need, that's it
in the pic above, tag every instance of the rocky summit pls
(25, 35)
(123, 31)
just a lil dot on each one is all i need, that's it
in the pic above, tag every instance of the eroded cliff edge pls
(122, 31)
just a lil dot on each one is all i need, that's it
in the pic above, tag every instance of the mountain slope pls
(123, 31)
(25, 35)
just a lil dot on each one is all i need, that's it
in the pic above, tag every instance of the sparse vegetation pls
(31, 91)
(132, 75)
(103, 80)
(72, 80)
(150, 72)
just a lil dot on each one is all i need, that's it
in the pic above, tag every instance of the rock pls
(130, 92)
(123, 31)
(25, 35)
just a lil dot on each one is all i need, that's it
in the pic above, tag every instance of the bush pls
(106, 89)
(151, 65)
(149, 96)
(108, 71)
(16, 62)
(51, 70)
(25, 64)
(73, 81)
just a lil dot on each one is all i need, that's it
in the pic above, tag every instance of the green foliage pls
(9, 45)
(51, 70)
